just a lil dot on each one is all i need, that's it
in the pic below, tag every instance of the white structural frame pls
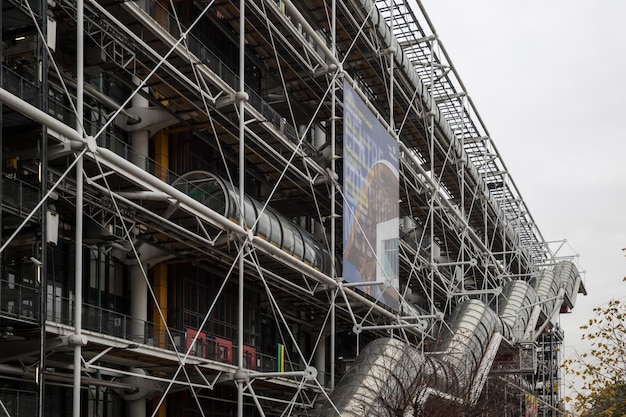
(472, 235)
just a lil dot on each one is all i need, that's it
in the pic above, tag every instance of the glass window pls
(289, 239)
(276, 235)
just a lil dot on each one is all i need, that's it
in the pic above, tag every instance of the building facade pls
(223, 208)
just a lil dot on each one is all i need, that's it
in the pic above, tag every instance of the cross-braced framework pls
(173, 202)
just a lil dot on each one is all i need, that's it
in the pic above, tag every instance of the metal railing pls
(226, 74)
(19, 196)
(110, 322)
(19, 301)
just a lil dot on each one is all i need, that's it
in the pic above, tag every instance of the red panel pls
(223, 350)
(199, 347)
(249, 357)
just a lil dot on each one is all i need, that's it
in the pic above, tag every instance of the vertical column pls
(161, 142)
(333, 192)
(139, 139)
(139, 288)
(241, 99)
(161, 155)
(160, 292)
(138, 304)
(431, 213)
(390, 54)
(42, 271)
(137, 408)
(78, 278)
(320, 361)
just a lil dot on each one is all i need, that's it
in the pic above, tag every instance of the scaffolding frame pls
(468, 230)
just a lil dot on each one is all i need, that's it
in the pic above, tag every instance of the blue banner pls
(370, 210)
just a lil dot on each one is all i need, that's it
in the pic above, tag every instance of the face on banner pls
(371, 225)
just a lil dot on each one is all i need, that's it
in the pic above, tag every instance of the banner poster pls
(370, 210)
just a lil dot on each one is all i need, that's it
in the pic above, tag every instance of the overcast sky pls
(549, 79)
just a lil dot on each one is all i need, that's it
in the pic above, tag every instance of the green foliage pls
(602, 369)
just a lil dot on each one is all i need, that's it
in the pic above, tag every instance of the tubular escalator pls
(390, 376)
(223, 197)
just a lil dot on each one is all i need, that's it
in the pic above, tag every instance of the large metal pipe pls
(78, 243)
(452, 367)
(514, 308)
(267, 224)
(242, 96)
(570, 279)
(472, 325)
(548, 284)
(384, 379)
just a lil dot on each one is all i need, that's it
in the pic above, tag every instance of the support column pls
(161, 158)
(138, 304)
(320, 361)
(333, 195)
(161, 155)
(241, 99)
(43, 254)
(160, 292)
(139, 139)
(78, 272)
(139, 317)
(137, 408)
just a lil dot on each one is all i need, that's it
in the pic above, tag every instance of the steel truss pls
(109, 168)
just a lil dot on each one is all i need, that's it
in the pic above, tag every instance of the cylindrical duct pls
(569, 277)
(385, 378)
(512, 307)
(471, 326)
(548, 285)
(223, 197)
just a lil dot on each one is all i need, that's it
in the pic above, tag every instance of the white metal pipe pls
(333, 197)
(306, 26)
(140, 141)
(78, 240)
(242, 177)
(144, 195)
(39, 116)
(192, 206)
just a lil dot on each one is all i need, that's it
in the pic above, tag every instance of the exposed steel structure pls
(173, 208)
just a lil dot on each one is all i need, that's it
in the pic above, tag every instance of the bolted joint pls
(241, 96)
(241, 375)
(310, 373)
(76, 340)
(92, 145)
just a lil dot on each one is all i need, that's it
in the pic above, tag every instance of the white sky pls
(548, 78)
